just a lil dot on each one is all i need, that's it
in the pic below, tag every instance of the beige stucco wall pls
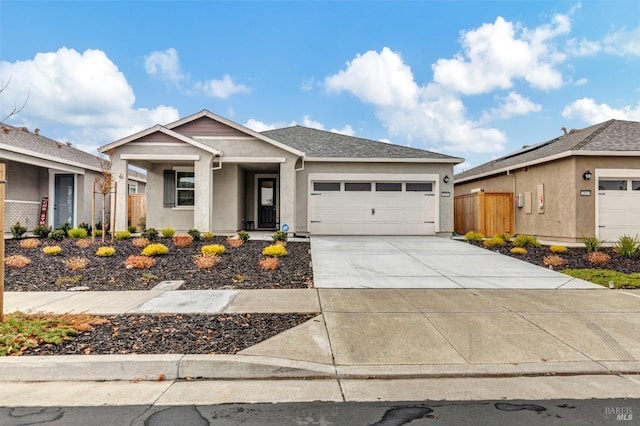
(567, 216)
(440, 169)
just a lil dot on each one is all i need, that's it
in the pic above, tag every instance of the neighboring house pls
(583, 183)
(211, 174)
(41, 168)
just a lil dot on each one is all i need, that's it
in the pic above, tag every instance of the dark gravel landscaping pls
(238, 267)
(174, 334)
(575, 257)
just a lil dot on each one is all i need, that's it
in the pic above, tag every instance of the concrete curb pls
(241, 367)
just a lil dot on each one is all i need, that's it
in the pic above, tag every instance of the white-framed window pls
(185, 187)
(132, 188)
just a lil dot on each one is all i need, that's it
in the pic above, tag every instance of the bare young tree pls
(16, 109)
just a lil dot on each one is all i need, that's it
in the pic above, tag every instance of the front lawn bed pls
(604, 276)
(238, 268)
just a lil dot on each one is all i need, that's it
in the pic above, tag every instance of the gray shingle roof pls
(322, 144)
(43, 147)
(611, 136)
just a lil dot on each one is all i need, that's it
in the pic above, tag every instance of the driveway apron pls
(425, 262)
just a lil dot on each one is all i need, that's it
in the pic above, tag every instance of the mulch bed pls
(575, 257)
(177, 334)
(238, 268)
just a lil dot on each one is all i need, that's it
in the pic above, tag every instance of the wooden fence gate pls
(137, 207)
(489, 213)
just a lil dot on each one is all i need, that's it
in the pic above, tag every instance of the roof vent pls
(68, 143)
(36, 131)
(24, 129)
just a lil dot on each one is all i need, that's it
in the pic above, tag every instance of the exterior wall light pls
(586, 175)
(445, 179)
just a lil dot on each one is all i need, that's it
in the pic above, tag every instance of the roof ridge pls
(593, 134)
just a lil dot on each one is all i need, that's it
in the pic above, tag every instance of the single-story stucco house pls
(49, 181)
(208, 173)
(584, 183)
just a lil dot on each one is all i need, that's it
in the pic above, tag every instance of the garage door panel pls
(618, 213)
(371, 212)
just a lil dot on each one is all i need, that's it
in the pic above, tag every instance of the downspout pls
(219, 166)
(301, 163)
(514, 207)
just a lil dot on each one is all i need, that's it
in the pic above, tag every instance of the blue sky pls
(474, 79)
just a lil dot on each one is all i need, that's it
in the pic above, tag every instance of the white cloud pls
(589, 111)
(624, 42)
(496, 54)
(378, 78)
(165, 64)
(509, 106)
(259, 126)
(85, 91)
(581, 82)
(307, 121)
(221, 88)
(419, 114)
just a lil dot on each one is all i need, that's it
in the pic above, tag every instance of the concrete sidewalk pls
(363, 333)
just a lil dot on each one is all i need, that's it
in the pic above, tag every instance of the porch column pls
(202, 204)
(288, 195)
(119, 171)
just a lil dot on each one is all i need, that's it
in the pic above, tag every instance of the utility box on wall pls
(519, 200)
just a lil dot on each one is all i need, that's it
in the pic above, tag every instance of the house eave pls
(579, 153)
(28, 157)
(383, 160)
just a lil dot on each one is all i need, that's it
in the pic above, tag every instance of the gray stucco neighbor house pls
(209, 173)
(39, 168)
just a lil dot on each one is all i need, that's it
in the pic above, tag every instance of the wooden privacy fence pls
(489, 213)
(137, 207)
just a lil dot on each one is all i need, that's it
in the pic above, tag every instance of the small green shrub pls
(493, 242)
(194, 233)
(558, 249)
(142, 223)
(155, 249)
(212, 249)
(473, 236)
(207, 235)
(167, 232)
(592, 243)
(523, 240)
(106, 251)
(57, 235)
(244, 235)
(65, 227)
(275, 250)
(150, 234)
(519, 250)
(77, 233)
(505, 236)
(52, 250)
(122, 235)
(41, 231)
(85, 225)
(280, 236)
(18, 230)
(132, 229)
(627, 246)
(97, 232)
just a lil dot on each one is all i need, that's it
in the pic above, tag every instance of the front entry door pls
(267, 203)
(63, 207)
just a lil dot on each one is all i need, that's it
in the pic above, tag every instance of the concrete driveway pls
(424, 262)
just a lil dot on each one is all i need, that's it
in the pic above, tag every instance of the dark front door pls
(63, 207)
(267, 203)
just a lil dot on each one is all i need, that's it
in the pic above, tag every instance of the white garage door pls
(371, 208)
(618, 208)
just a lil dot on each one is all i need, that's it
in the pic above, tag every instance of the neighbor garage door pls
(372, 207)
(618, 208)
